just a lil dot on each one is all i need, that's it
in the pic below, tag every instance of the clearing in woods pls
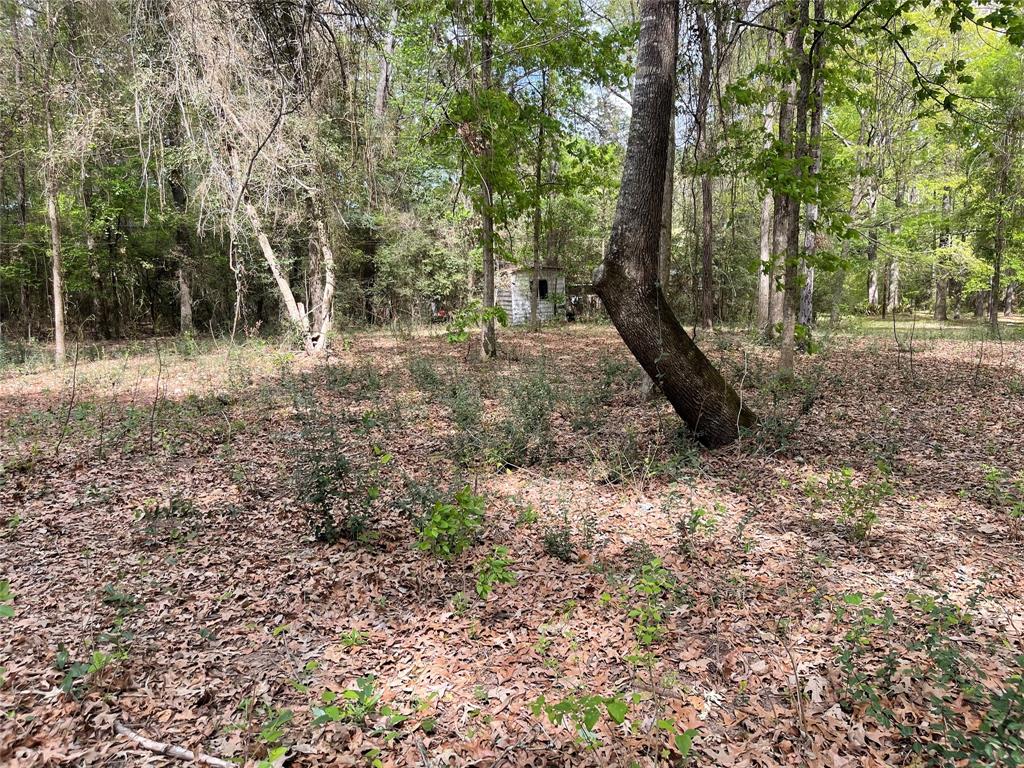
(843, 588)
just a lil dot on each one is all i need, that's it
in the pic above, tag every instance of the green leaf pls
(616, 709)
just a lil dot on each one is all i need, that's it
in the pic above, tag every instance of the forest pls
(512, 383)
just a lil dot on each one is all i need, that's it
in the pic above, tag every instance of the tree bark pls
(764, 272)
(811, 209)
(627, 280)
(325, 312)
(665, 238)
(703, 158)
(538, 170)
(794, 144)
(489, 337)
(53, 219)
(183, 245)
(941, 273)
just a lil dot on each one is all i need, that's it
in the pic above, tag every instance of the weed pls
(424, 375)
(558, 542)
(450, 529)
(353, 638)
(339, 501)
(856, 503)
(690, 526)
(524, 436)
(651, 590)
(1005, 493)
(6, 600)
(971, 720)
(494, 570)
(582, 712)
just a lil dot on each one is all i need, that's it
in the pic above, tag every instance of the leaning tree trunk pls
(627, 280)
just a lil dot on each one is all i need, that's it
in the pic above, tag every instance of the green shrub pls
(494, 570)
(524, 436)
(450, 529)
(339, 501)
(856, 503)
(558, 542)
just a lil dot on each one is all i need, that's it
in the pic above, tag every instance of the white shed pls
(512, 288)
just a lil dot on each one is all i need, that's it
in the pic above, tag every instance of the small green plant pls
(524, 436)
(355, 705)
(690, 526)
(494, 570)
(558, 542)
(527, 516)
(582, 712)
(856, 503)
(651, 591)
(118, 598)
(6, 600)
(450, 529)
(353, 638)
(424, 375)
(1006, 493)
(339, 500)
(78, 673)
(918, 678)
(472, 316)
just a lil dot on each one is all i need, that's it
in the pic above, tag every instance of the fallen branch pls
(170, 750)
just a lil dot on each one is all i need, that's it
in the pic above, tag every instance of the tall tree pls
(627, 280)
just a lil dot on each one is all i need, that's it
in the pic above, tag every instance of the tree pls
(627, 280)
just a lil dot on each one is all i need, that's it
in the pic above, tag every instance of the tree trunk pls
(941, 273)
(764, 271)
(811, 210)
(380, 101)
(538, 170)
(184, 302)
(183, 246)
(325, 314)
(627, 280)
(781, 217)
(489, 337)
(797, 137)
(665, 237)
(295, 315)
(999, 237)
(52, 216)
(703, 156)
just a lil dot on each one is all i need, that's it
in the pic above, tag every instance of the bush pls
(523, 438)
(338, 502)
(494, 570)
(450, 529)
(856, 503)
(558, 543)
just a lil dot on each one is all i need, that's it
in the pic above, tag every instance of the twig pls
(169, 750)
(423, 753)
(799, 689)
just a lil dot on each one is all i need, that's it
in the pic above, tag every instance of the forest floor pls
(843, 588)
